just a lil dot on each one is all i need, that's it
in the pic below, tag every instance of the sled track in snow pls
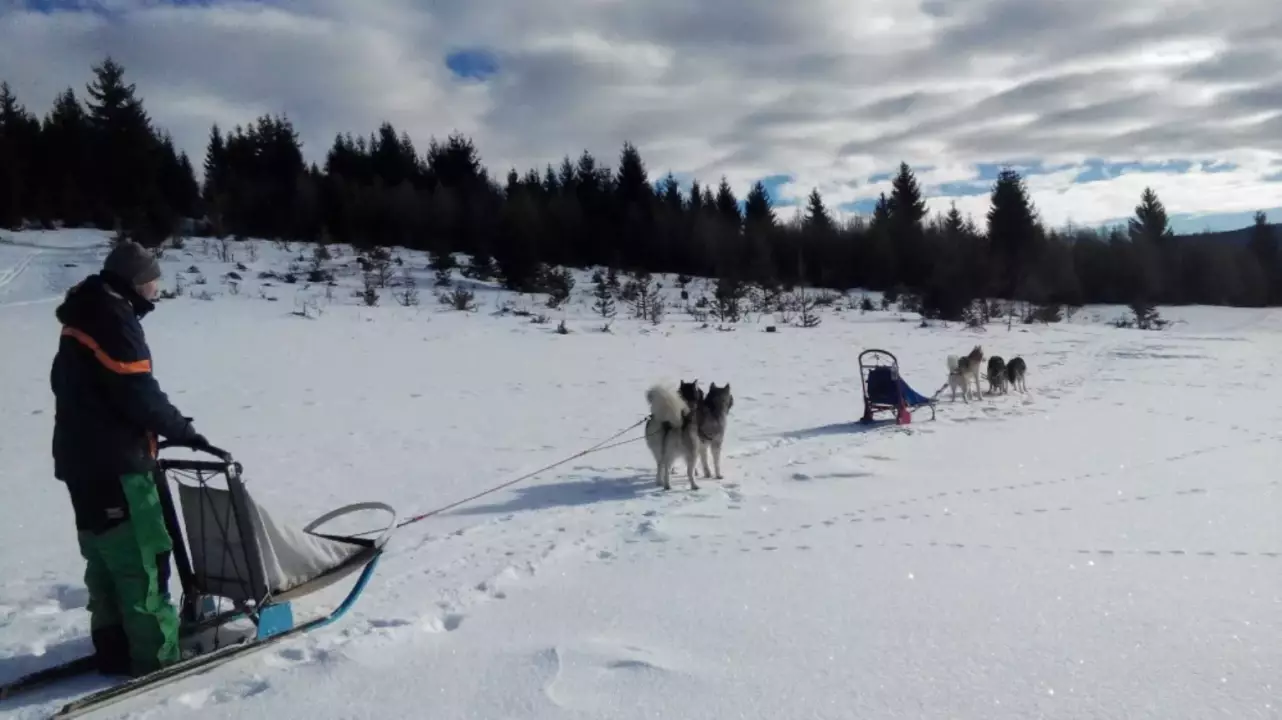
(8, 276)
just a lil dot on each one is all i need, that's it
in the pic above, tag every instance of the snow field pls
(1106, 546)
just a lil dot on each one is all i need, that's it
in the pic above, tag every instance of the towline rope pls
(605, 444)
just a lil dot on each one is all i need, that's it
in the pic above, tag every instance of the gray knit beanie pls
(130, 261)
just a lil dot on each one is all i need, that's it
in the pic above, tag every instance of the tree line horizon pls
(103, 163)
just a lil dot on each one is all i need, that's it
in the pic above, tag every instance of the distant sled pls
(885, 391)
(233, 553)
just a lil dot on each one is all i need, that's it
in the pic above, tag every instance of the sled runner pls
(232, 552)
(885, 391)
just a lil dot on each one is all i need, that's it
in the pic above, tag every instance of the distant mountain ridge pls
(1240, 236)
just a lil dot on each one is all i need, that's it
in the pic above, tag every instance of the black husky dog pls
(1015, 371)
(997, 374)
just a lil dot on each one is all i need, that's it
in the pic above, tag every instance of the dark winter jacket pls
(109, 407)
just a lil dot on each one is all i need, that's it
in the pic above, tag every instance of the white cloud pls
(1201, 189)
(832, 92)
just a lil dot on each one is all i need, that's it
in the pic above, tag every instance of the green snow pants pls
(133, 624)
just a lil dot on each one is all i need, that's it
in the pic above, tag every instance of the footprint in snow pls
(448, 622)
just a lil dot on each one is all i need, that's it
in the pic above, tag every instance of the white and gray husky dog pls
(961, 370)
(712, 416)
(672, 430)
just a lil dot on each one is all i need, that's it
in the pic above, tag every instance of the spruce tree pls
(1150, 231)
(818, 231)
(442, 264)
(1012, 231)
(1263, 245)
(65, 137)
(634, 203)
(176, 179)
(1264, 241)
(954, 225)
(670, 249)
(123, 149)
(1151, 223)
(881, 272)
(19, 137)
(632, 183)
(907, 213)
(517, 252)
(216, 169)
(603, 302)
(759, 230)
(948, 293)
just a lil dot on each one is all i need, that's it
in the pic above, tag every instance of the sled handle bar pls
(224, 457)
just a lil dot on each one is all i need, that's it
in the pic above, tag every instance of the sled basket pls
(885, 391)
(235, 549)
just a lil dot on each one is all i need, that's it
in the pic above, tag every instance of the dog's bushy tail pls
(953, 366)
(666, 405)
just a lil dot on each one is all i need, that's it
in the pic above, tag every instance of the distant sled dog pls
(956, 380)
(672, 430)
(997, 375)
(712, 416)
(961, 370)
(1015, 372)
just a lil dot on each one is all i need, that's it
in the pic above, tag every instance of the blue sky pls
(472, 63)
(802, 95)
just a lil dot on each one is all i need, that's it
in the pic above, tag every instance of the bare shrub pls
(407, 294)
(461, 299)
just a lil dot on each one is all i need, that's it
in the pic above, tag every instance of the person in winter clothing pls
(109, 413)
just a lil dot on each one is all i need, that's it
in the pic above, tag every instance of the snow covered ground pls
(1107, 546)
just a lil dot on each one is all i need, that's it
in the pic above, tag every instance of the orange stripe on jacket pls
(124, 368)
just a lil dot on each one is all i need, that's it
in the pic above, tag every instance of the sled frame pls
(873, 359)
(271, 613)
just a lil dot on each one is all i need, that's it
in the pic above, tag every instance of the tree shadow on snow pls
(12, 668)
(569, 493)
(847, 428)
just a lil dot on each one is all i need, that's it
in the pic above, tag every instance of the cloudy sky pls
(1094, 99)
